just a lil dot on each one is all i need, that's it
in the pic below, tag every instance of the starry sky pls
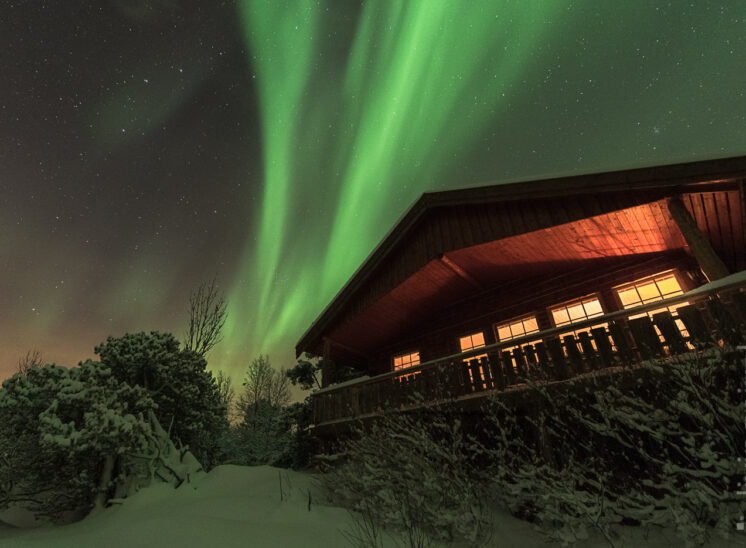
(148, 146)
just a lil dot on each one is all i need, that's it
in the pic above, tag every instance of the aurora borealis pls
(151, 145)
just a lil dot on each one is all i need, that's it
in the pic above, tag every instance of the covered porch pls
(711, 315)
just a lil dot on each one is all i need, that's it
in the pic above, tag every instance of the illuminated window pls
(652, 289)
(577, 311)
(406, 360)
(517, 327)
(470, 342)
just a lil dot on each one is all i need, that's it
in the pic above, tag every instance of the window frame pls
(401, 355)
(617, 289)
(515, 319)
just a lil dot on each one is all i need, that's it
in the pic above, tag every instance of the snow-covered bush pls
(73, 439)
(62, 433)
(654, 446)
(412, 470)
(189, 403)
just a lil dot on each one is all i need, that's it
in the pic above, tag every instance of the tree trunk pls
(103, 483)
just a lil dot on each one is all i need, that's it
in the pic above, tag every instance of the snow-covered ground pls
(250, 507)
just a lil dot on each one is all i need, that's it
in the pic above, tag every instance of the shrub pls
(61, 433)
(654, 446)
(414, 471)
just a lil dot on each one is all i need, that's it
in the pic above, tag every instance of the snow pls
(252, 507)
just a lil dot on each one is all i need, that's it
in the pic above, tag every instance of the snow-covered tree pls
(64, 435)
(188, 401)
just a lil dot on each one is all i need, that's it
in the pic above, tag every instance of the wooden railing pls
(709, 316)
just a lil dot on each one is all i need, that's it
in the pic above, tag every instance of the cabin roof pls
(615, 189)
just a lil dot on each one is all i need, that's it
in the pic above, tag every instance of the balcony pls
(710, 315)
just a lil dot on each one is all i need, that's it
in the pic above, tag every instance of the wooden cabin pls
(473, 290)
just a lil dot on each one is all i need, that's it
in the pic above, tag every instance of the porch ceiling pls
(457, 274)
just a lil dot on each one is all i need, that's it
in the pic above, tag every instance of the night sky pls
(148, 146)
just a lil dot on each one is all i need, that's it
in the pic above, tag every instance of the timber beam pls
(709, 262)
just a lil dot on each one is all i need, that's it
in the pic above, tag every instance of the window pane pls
(576, 312)
(649, 292)
(629, 297)
(669, 286)
(477, 340)
(530, 325)
(503, 333)
(593, 308)
(517, 330)
(560, 316)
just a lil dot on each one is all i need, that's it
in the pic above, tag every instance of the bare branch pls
(32, 360)
(207, 315)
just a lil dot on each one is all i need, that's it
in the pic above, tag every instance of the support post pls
(711, 265)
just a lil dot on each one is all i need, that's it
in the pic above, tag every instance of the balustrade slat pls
(520, 363)
(671, 334)
(691, 316)
(605, 351)
(589, 353)
(484, 363)
(648, 343)
(498, 376)
(476, 375)
(573, 354)
(618, 334)
(507, 361)
(558, 359)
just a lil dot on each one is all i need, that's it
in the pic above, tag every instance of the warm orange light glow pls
(470, 342)
(578, 311)
(647, 290)
(652, 289)
(406, 360)
(517, 327)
